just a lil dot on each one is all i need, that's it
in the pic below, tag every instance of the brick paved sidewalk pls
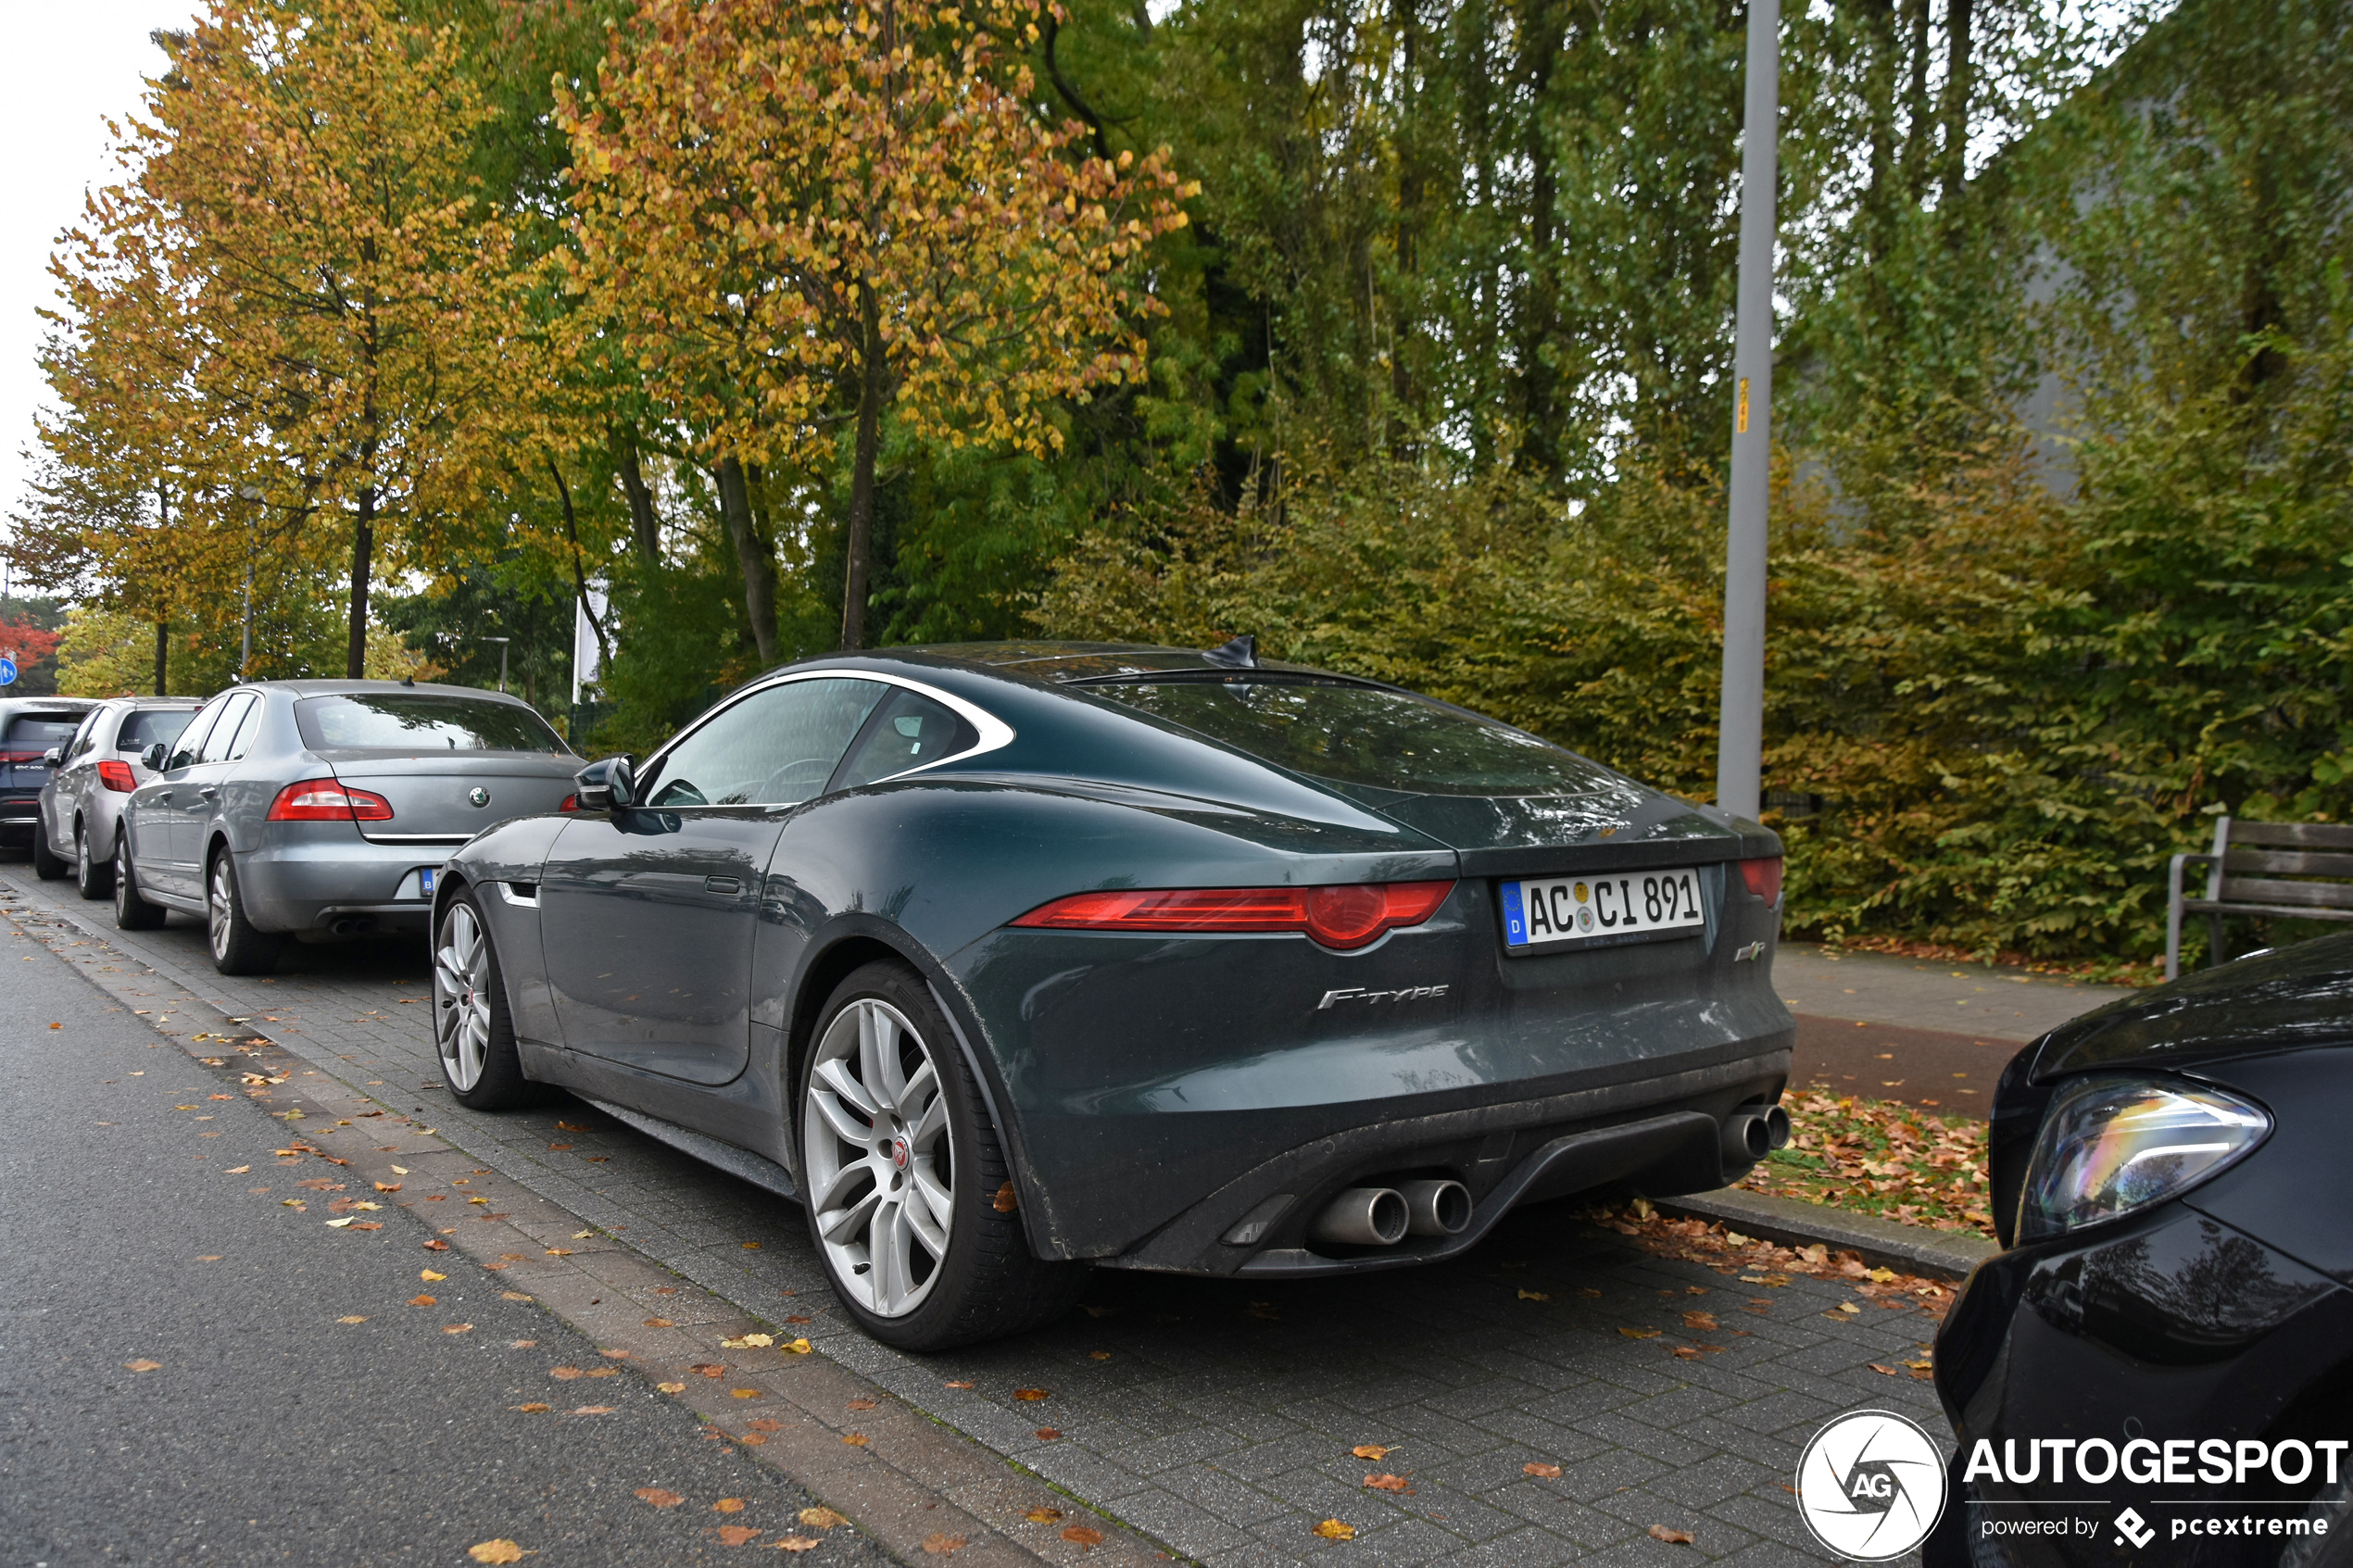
(1215, 1417)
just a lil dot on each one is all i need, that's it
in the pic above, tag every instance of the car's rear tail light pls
(1764, 877)
(1347, 916)
(117, 776)
(326, 800)
(569, 803)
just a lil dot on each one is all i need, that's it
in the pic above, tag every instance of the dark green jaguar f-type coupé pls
(1009, 959)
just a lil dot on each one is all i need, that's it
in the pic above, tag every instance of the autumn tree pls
(295, 303)
(801, 213)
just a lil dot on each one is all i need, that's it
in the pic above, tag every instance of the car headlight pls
(2112, 1146)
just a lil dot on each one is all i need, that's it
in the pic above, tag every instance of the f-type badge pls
(1358, 994)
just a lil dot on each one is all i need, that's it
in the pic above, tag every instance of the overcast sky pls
(70, 66)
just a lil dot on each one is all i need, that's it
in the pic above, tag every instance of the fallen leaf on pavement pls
(361, 1319)
(436, 1245)
(1083, 1535)
(862, 1404)
(709, 1369)
(738, 1393)
(514, 1296)
(428, 1274)
(1704, 1321)
(338, 1224)
(1882, 1370)
(940, 1544)
(728, 1505)
(537, 1407)
(1386, 1482)
(423, 1301)
(856, 1439)
(1679, 1538)
(798, 1542)
(1333, 1530)
(594, 1410)
(1050, 1434)
(1639, 1333)
(1849, 1307)
(797, 1347)
(1686, 1353)
(749, 1246)
(737, 1535)
(821, 1518)
(1533, 1296)
(563, 1374)
(456, 1328)
(494, 1551)
(1031, 1395)
(1369, 1450)
(559, 1253)
(671, 1387)
(965, 1384)
(1043, 1515)
(746, 1342)
(144, 1365)
(388, 1186)
(237, 1170)
(659, 1322)
(761, 1424)
(1549, 1472)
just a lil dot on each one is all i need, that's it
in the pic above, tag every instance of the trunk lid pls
(1616, 825)
(434, 796)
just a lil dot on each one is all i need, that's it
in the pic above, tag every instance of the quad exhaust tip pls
(1385, 1216)
(1749, 1136)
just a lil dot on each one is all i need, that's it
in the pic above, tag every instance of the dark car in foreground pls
(2169, 1331)
(1015, 959)
(323, 810)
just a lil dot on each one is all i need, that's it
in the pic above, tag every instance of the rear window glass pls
(149, 726)
(1363, 736)
(35, 733)
(910, 731)
(399, 721)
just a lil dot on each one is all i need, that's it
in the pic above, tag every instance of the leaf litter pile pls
(1876, 1156)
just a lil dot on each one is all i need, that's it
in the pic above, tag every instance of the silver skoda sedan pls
(91, 777)
(319, 810)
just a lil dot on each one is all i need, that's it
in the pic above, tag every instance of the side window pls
(776, 748)
(86, 736)
(184, 751)
(246, 731)
(911, 731)
(223, 734)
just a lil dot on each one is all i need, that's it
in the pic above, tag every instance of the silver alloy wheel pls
(82, 858)
(461, 997)
(121, 875)
(220, 907)
(881, 1156)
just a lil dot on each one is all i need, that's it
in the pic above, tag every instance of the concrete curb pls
(1911, 1249)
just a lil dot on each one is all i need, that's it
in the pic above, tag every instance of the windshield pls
(1363, 736)
(422, 722)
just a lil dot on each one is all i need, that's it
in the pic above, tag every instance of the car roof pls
(319, 687)
(1061, 662)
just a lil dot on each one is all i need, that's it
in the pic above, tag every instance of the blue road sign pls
(7, 671)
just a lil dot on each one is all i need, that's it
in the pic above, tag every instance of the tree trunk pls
(163, 657)
(871, 392)
(759, 568)
(1919, 141)
(363, 549)
(1957, 85)
(645, 523)
(1878, 87)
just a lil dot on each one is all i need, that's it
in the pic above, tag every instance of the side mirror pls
(606, 785)
(152, 758)
(54, 757)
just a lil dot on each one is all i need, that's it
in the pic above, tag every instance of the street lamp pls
(1739, 755)
(502, 657)
(249, 492)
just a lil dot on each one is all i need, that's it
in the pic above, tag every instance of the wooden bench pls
(2244, 874)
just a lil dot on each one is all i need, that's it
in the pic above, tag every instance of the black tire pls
(92, 877)
(238, 946)
(473, 1033)
(986, 1283)
(47, 865)
(132, 910)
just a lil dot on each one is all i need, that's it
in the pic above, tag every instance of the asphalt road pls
(192, 1371)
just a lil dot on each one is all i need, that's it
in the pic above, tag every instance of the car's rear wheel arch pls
(851, 951)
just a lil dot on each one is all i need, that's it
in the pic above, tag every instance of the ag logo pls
(1870, 1485)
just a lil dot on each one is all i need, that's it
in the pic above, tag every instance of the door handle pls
(208, 792)
(164, 796)
(723, 883)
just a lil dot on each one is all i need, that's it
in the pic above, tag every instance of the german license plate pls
(1561, 912)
